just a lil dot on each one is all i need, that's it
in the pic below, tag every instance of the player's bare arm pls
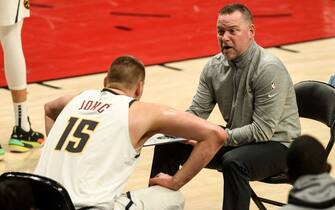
(53, 108)
(146, 119)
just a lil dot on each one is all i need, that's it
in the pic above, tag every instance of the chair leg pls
(257, 200)
(276, 203)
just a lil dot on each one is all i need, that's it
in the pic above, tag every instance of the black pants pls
(239, 166)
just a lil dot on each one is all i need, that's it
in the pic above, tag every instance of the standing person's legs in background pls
(23, 138)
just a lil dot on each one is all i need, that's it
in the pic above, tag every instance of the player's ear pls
(105, 82)
(139, 90)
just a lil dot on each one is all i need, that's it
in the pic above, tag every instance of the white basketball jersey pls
(89, 150)
(13, 11)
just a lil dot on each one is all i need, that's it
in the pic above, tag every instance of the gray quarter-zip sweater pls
(255, 95)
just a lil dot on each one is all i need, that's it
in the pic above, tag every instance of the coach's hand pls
(164, 180)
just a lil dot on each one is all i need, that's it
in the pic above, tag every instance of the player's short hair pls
(125, 71)
(230, 8)
(306, 156)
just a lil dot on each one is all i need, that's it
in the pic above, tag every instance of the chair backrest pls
(316, 100)
(48, 194)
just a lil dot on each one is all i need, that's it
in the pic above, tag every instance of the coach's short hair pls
(306, 156)
(125, 71)
(230, 8)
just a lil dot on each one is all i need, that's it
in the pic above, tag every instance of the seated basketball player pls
(96, 139)
(308, 169)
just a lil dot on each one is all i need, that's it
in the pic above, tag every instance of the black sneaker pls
(23, 141)
(2, 153)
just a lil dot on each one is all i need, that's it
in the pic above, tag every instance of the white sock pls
(21, 115)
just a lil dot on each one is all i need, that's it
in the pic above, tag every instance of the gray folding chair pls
(316, 101)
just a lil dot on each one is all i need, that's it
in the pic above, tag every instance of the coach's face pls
(234, 34)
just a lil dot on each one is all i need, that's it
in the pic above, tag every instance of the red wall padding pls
(68, 38)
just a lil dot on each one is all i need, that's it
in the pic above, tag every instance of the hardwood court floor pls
(305, 61)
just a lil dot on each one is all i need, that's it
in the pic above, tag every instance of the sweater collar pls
(244, 59)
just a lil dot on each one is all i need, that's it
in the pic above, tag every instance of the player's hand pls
(164, 180)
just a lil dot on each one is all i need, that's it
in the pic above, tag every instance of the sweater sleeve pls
(203, 101)
(270, 89)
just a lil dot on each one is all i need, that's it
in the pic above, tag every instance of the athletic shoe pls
(2, 153)
(23, 141)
